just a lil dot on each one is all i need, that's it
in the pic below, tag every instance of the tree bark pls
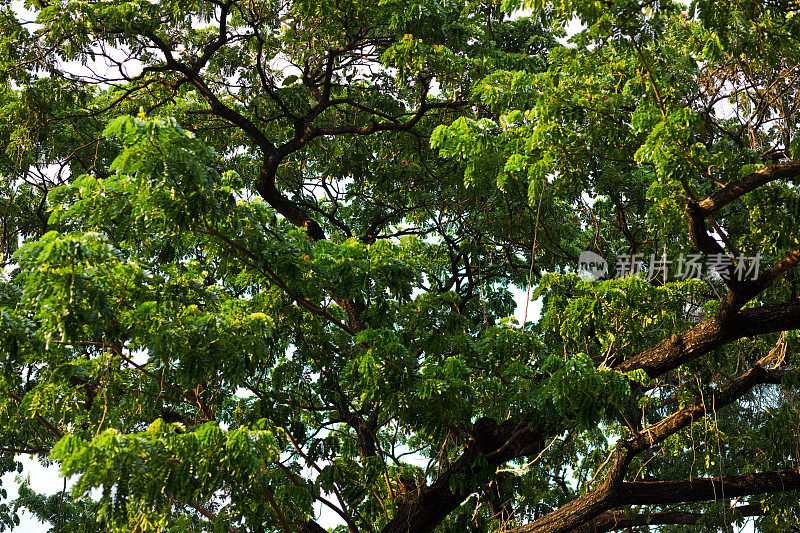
(619, 520)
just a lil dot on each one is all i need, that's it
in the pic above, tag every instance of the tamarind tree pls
(259, 259)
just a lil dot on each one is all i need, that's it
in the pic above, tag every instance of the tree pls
(259, 260)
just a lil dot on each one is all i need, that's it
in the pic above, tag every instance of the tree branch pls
(619, 520)
(732, 191)
(707, 489)
(613, 492)
(713, 333)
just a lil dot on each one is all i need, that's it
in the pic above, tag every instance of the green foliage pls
(260, 258)
(146, 472)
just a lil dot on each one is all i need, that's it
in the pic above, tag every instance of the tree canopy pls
(260, 256)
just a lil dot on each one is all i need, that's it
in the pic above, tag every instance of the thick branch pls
(732, 191)
(437, 501)
(613, 492)
(619, 520)
(701, 407)
(500, 444)
(697, 212)
(707, 489)
(309, 526)
(713, 333)
(218, 108)
(218, 43)
(770, 318)
(266, 187)
(24, 451)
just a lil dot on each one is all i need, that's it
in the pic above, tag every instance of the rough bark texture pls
(310, 527)
(664, 493)
(622, 520)
(706, 489)
(508, 441)
(729, 193)
(613, 492)
(525, 436)
(514, 438)
(711, 334)
(436, 501)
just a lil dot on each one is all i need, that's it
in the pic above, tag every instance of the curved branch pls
(707, 489)
(614, 492)
(618, 520)
(718, 330)
(732, 191)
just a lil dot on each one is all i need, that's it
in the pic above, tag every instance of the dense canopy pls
(260, 257)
